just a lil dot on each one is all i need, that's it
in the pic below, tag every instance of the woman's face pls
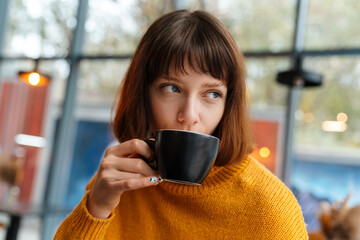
(193, 101)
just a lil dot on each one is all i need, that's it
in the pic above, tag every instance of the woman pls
(187, 73)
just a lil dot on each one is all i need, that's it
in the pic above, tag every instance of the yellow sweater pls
(245, 201)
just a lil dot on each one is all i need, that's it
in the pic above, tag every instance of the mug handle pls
(152, 162)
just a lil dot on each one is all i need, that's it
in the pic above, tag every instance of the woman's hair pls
(203, 42)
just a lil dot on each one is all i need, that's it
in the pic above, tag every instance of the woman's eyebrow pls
(214, 84)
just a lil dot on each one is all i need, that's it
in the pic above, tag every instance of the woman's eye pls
(170, 88)
(213, 95)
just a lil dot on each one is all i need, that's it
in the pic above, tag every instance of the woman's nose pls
(188, 113)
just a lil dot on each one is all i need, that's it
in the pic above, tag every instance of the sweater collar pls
(217, 178)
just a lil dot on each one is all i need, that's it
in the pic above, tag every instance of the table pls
(22, 209)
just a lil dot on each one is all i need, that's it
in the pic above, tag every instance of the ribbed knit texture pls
(245, 201)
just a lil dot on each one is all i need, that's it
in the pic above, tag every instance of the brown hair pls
(207, 46)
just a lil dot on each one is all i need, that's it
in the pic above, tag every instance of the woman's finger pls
(130, 147)
(132, 165)
(116, 175)
(132, 184)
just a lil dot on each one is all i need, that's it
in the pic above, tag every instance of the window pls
(333, 25)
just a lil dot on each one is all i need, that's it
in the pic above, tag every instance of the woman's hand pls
(120, 170)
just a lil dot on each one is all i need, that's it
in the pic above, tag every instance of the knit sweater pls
(244, 201)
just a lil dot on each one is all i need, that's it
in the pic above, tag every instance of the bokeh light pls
(264, 152)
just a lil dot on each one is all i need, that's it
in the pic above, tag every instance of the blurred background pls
(61, 62)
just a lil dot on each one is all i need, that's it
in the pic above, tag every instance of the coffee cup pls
(183, 156)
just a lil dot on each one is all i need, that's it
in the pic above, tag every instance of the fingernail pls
(160, 179)
(153, 179)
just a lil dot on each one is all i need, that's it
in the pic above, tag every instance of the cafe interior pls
(61, 62)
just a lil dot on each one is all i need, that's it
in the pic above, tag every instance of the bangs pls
(195, 43)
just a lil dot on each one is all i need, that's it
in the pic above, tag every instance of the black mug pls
(183, 156)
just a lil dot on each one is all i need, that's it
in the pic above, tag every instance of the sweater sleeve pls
(286, 219)
(283, 216)
(278, 209)
(81, 225)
